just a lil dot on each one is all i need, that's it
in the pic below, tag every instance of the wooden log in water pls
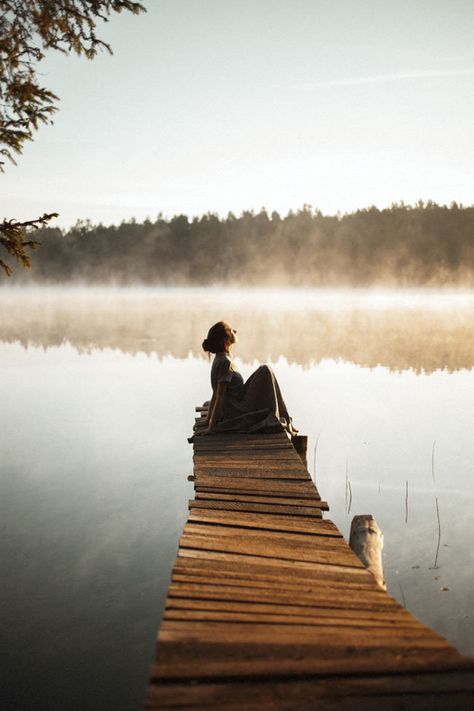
(366, 540)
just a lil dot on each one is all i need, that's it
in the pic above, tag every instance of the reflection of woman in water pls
(253, 406)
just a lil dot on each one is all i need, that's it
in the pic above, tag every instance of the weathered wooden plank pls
(265, 521)
(347, 598)
(316, 538)
(409, 702)
(213, 444)
(307, 586)
(299, 489)
(231, 445)
(387, 616)
(278, 455)
(250, 462)
(255, 472)
(289, 619)
(324, 527)
(249, 466)
(331, 555)
(256, 561)
(288, 476)
(269, 570)
(277, 474)
(377, 641)
(230, 437)
(219, 578)
(317, 503)
(256, 449)
(238, 438)
(206, 446)
(264, 463)
(268, 580)
(420, 692)
(253, 492)
(207, 660)
(258, 457)
(244, 506)
(334, 635)
(328, 596)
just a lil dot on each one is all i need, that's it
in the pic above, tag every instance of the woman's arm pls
(210, 408)
(215, 408)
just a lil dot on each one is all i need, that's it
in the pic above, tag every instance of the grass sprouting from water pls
(439, 535)
(314, 458)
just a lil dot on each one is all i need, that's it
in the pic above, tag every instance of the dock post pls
(300, 443)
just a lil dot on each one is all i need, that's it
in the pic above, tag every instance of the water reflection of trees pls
(174, 323)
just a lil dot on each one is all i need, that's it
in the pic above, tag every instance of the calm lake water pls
(98, 391)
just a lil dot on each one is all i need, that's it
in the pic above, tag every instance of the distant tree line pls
(426, 244)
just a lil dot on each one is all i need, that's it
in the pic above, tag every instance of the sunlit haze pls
(218, 105)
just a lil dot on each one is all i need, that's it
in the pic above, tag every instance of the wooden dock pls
(269, 608)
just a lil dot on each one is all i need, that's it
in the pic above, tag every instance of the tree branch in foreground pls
(13, 238)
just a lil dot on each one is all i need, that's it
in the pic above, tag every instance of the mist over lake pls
(98, 393)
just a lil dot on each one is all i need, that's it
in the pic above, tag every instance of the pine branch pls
(13, 238)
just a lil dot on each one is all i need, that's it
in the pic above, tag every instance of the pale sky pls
(218, 105)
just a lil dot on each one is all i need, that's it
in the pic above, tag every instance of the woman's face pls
(232, 337)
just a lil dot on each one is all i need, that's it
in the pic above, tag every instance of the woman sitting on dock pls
(254, 406)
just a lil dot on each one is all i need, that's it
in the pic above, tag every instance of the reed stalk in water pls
(350, 497)
(439, 534)
(314, 458)
(348, 490)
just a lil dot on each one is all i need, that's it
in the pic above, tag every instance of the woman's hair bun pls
(217, 337)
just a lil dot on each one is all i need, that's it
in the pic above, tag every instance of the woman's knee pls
(265, 369)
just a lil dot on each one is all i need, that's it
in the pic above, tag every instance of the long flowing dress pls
(254, 406)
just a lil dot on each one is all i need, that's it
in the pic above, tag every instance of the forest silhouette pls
(422, 245)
